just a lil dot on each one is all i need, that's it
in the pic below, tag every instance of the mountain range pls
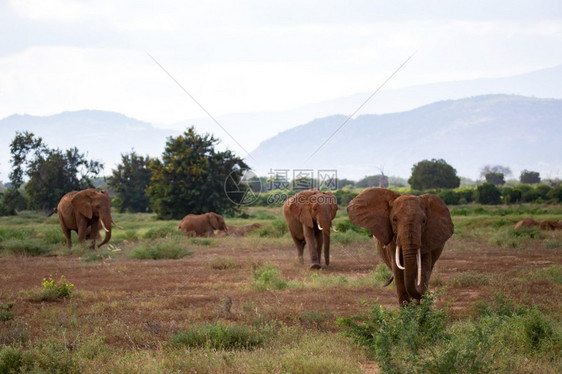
(515, 131)
(512, 121)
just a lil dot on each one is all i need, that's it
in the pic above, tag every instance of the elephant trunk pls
(412, 272)
(326, 239)
(107, 228)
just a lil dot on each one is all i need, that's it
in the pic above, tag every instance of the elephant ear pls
(82, 202)
(370, 209)
(213, 219)
(439, 226)
(299, 205)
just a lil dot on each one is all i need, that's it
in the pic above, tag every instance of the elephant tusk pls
(103, 225)
(116, 224)
(418, 258)
(397, 255)
(319, 228)
(334, 229)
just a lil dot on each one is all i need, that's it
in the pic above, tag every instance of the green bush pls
(161, 232)
(56, 290)
(160, 249)
(219, 336)
(6, 313)
(488, 194)
(266, 277)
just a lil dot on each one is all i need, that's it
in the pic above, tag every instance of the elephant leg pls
(310, 238)
(299, 243)
(66, 233)
(319, 243)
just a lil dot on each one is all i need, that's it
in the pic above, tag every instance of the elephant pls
(84, 212)
(309, 216)
(202, 224)
(527, 222)
(238, 230)
(409, 233)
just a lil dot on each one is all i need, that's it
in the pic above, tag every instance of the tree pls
(433, 174)
(495, 178)
(487, 193)
(129, 181)
(505, 170)
(529, 177)
(379, 180)
(191, 177)
(51, 172)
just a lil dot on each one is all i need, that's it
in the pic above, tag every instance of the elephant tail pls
(388, 281)
(53, 211)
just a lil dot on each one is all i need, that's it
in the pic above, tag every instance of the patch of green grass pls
(219, 336)
(161, 232)
(223, 263)
(317, 320)
(274, 229)
(160, 249)
(552, 273)
(382, 274)
(107, 254)
(552, 244)
(202, 241)
(525, 232)
(266, 277)
(25, 247)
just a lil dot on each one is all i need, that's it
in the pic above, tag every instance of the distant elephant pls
(527, 222)
(202, 224)
(309, 215)
(85, 212)
(238, 230)
(550, 225)
(409, 232)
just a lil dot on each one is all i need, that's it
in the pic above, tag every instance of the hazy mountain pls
(515, 131)
(102, 135)
(250, 129)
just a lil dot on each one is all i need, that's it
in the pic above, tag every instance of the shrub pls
(219, 336)
(267, 278)
(160, 249)
(223, 263)
(55, 290)
(161, 232)
(6, 313)
(488, 193)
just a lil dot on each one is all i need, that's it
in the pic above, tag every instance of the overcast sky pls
(246, 56)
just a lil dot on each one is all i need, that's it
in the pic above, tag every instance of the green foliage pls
(56, 290)
(551, 273)
(129, 181)
(266, 277)
(51, 172)
(191, 177)
(529, 177)
(496, 179)
(220, 337)
(511, 195)
(6, 313)
(161, 232)
(433, 174)
(470, 279)
(488, 194)
(274, 229)
(11, 201)
(160, 249)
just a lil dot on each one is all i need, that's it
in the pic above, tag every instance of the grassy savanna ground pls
(156, 301)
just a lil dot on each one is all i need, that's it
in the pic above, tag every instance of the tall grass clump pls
(274, 229)
(161, 232)
(266, 277)
(160, 249)
(422, 339)
(219, 336)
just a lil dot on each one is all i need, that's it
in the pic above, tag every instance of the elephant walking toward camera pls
(409, 232)
(202, 224)
(85, 212)
(309, 215)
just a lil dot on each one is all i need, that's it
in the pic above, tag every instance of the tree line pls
(190, 176)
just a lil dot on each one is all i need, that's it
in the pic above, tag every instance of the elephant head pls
(95, 208)
(412, 231)
(216, 221)
(309, 215)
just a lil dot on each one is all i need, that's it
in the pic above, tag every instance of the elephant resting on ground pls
(85, 212)
(544, 225)
(409, 232)
(309, 215)
(202, 224)
(238, 230)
